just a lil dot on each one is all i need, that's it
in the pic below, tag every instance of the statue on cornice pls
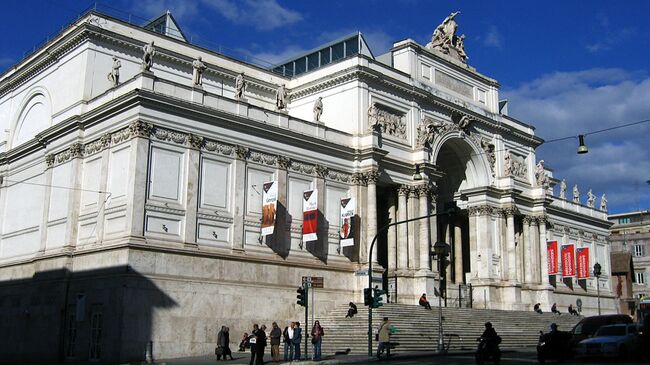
(114, 75)
(281, 98)
(603, 203)
(540, 175)
(591, 199)
(147, 57)
(198, 68)
(576, 194)
(318, 109)
(563, 189)
(240, 85)
(445, 40)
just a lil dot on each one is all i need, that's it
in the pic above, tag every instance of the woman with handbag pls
(221, 343)
(317, 334)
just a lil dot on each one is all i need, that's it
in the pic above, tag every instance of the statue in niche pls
(576, 194)
(281, 98)
(373, 117)
(591, 199)
(489, 152)
(147, 57)
(507, 163)
(426, 132)
(198, 68)
(114, 75)
(563, 189)
(540, 175)
(318, 109)
(240, 85)
(603, 203)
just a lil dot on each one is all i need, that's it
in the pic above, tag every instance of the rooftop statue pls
(603, 203)
(563, 189)
(198, 67)
(318, 109)
(240, 85)
(591, 199)
(281, 98)
(576, 194)
(147, 57)
(445, 40)
(114, 75)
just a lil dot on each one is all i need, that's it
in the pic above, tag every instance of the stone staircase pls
(418, 327)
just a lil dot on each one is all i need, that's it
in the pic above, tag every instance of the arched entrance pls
(462, 167)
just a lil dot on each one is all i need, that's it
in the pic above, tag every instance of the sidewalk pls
(244, 358)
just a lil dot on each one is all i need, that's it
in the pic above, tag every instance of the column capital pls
(404, 190)
(283, 162)
(195, 141)
(510, 211)
(321, 171)
(528, 219)
(372, 176)
(140, 128)
(241, 152)
(480, 210)
(358, 178)
(542, 220)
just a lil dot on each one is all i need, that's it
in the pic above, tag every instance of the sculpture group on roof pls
(445, 40)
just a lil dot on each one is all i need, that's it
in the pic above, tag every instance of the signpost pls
(310, 283)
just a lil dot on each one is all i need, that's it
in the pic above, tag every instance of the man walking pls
(276, 333)
(288, 342)
(384, 338)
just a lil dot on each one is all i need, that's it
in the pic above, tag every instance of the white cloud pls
(571, 103)
(181, 9)
(260, 14)
(493, 38)
(281, 55)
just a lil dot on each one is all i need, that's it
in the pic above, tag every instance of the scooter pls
(488, 350)
(553, 346)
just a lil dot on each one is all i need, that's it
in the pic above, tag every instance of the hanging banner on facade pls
(582, 259)
(568, 260)
(551, 254)
(269, 206)
(346, 234)
(309, 215)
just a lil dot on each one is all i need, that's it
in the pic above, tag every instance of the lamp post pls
(440, 248)
(372, 246)
(597, 273)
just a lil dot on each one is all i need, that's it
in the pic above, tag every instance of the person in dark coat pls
(287, 335)
(276, 333)
(245, 342)
(221, 343)
(554, 309)
(352, 310)
(226, 349)
(253, 339)
(297, 337)
(317, 334)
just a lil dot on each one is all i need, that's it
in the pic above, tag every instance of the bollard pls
(148, 357)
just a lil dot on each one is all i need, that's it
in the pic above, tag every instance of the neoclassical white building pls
(131, 196)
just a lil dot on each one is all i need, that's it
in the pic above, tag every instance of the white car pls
(617, 340)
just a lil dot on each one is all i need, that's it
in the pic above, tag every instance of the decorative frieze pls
(195, 141)
(241, 152)
(140, 129)
(339, 176)
(515, 165)
(321, 171)
(387, 121)
(164, 134)
(262, 158)
(49, 159)
(218, 147)
(283, 162)
(98, 145)
(302, 167)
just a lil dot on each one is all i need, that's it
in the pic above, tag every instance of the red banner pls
(582, 258)
(568, 260)
(551, 254)
(310, 215)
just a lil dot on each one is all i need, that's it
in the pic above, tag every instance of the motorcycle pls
(488, 350)
(553, 346)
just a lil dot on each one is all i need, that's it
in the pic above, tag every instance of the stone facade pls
(135, 207)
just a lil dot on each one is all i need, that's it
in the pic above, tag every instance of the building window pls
(639, 250)
(96, 333)
(623, 220)
(72, 332)
(641, 277)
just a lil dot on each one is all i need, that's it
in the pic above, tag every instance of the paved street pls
(509, 357)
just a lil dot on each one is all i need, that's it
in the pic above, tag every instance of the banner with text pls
(568, 260)
(551, 253)
(269, 206)
(582, 258)
(346, 234)
(309, 215)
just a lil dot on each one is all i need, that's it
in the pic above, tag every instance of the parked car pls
(589, 325)
(615, 341)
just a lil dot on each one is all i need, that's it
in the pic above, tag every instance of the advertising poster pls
(582, 258)
(568, 260)
(309, 215)
(269, 206)
(551, 254)
(346, 233)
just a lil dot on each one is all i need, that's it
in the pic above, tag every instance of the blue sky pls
(567, 67)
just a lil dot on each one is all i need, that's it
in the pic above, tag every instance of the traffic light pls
(367, 296)
(302, 296)
(377, 299)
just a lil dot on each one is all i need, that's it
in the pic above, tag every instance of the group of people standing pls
(258, 339)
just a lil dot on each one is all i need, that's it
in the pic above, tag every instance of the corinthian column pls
(528, 252)
(372, 177)
(424, 191)
(543, 258)
(392, 233)
(510, 243)
(412, 234)
(402, 249)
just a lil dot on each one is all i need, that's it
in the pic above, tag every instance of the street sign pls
(313, 281)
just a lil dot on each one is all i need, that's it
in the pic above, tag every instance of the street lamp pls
(597, 273)
(440, 249)
(372, 246)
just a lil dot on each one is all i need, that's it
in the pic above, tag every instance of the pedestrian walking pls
(287, 335)
(223, 344)
(253, 342)
(226, 349)
(297, 337)
(317, 334)
(383, 338)
(261, 344)
(424, 302)
(352, 310)
(276, 334)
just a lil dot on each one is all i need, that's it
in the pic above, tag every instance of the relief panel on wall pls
(166, 174)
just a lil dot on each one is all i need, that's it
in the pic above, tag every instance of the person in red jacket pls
(424, 302)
